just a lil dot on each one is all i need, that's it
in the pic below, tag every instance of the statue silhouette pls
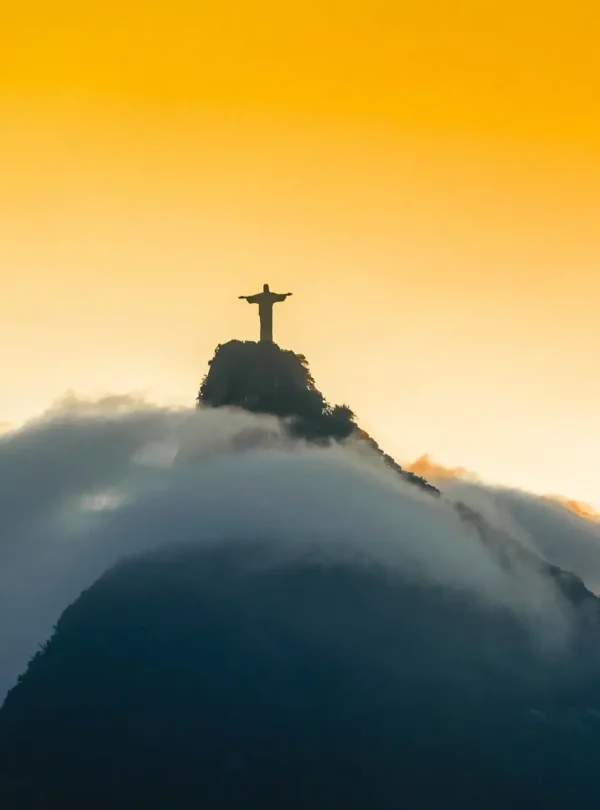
(265, 300)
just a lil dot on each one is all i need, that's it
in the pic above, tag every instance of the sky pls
(424, 177)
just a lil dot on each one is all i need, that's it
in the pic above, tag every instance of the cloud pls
(578, 507)
(428, 468)
(93, 482)
(563, 531)
(559, 534)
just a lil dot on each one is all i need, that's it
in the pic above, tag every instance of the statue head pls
(265, 288)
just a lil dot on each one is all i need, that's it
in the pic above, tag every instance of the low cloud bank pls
(563, 531)
(92, 483)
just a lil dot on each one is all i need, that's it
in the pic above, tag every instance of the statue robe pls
(265, 301)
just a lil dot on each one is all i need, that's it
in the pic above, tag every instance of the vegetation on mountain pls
(218, 677)
(263, 378)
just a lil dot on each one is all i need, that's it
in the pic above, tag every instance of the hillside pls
(263, 378)
(223, 679)
(286, 629)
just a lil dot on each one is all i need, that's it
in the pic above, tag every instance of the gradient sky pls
(424, 177)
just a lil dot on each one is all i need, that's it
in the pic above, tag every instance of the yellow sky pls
(424, 177)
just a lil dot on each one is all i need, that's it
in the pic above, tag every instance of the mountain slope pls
(221, 678)
(263, 378)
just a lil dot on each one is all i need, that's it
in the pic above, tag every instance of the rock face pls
(262, 378)
(221, 678)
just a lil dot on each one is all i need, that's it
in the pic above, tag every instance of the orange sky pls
(424, 177)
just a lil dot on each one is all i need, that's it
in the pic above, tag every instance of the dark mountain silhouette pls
(263, 378)
(218, 678)
(230, 677)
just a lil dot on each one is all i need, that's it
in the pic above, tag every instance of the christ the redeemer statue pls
(265, 300)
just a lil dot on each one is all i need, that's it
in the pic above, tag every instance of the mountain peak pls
(263, 378)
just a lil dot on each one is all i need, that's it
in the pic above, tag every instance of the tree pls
(263, 378)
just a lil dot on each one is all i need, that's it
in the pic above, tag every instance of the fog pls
(90, 483)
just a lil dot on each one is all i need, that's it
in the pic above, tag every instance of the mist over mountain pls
(249, 604)
(263, 378)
